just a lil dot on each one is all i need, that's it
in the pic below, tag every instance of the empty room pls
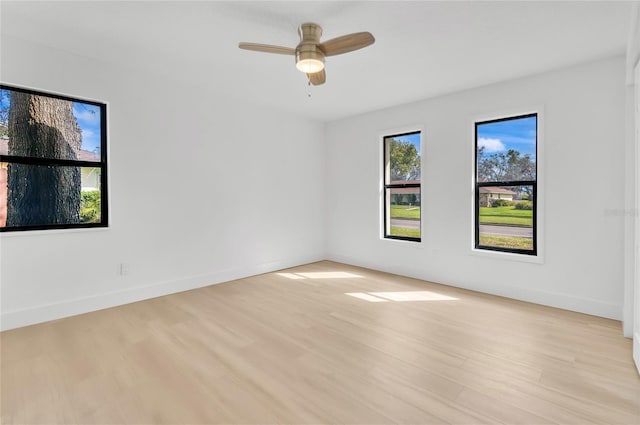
(367, 212)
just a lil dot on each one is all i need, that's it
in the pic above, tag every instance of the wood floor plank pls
(321, 343)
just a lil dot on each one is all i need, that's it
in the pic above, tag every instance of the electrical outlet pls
(124, 269)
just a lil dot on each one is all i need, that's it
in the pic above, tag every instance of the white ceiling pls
(422, 49)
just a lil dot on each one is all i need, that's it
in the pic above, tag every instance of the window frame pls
(56, 162)
(535, 184)
(388, 186)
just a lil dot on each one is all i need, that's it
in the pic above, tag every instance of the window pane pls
(40, 195)
(506, 150)
(505, 218)
(49, 127)
(403, 212)
(402, 155)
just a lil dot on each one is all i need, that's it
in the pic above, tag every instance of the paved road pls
(407, 224)
(523, 232)
(487, 229)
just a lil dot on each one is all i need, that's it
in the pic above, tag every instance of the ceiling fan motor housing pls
(309, 58)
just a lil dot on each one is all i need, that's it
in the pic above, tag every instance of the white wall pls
(632, 295)
(258, 179)
(202, 190)
(584, 166)
(631, 211)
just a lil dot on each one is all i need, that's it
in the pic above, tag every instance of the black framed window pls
(53, 161)
(402, 183)
(506, 184)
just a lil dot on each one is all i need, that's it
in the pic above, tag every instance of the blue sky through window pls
(518, 134)
(88, 117)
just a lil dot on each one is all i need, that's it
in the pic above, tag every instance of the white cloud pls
(491, 145)
(87, 114)
(90, 140)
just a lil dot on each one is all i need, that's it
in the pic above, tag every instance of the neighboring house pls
(4, 150)
(405, 195)
(487, 194)
(90, 177)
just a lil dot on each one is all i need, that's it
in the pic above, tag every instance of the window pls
(402, 195)
(506, 184)
(53, 161)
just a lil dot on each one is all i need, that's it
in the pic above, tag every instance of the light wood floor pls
(293, 347)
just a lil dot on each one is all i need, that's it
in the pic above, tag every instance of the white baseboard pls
(636, 350)
(43, 313)
(550, 299)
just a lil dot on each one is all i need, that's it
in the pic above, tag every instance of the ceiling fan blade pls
(346, 43)
(267, 48)
(317, 78)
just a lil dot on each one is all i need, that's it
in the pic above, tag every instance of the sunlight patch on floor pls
(290, 275)
(401, 296)
(319, 275)
(366, 297)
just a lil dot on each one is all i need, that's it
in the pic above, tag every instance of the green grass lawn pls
(506, 215)
(406, 212)
(403, 231)
(513, 242)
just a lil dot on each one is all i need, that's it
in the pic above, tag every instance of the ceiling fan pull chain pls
(309, 84)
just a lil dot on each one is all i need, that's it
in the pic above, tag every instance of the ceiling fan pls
(310, 52)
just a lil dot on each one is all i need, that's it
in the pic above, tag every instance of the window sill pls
(416, 244)
(509, 256)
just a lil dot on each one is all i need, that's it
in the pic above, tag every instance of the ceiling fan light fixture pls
(310, 66)
(309, 61)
